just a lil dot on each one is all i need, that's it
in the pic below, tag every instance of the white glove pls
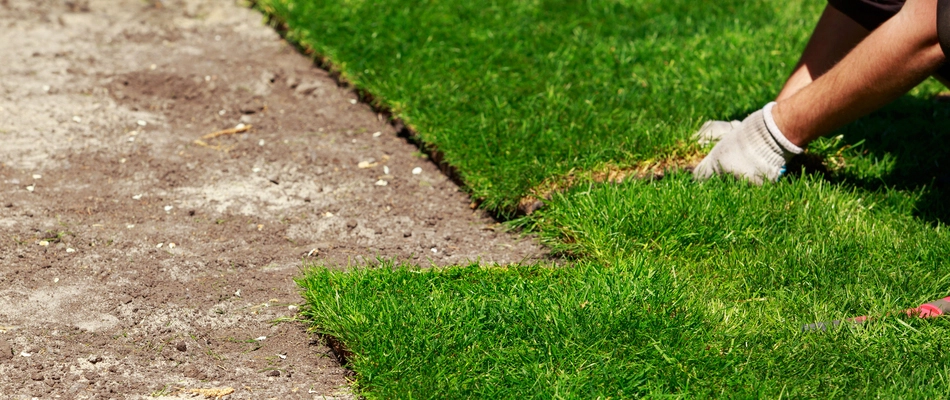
(756, 150)
(713, 131)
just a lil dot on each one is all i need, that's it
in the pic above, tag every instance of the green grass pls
(514, 92)
(703, 296)
(473, 332)
(675, 288)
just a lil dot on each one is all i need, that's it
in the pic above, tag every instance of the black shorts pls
(872, 13)
(869, 13)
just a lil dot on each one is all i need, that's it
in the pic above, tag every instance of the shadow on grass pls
(905, 146)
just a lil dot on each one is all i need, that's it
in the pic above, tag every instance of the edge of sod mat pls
(682, 156)
(403, 130)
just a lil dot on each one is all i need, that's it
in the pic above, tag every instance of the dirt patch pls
(137, 262)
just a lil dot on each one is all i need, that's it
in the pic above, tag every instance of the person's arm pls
(890, 61)
(833, 37)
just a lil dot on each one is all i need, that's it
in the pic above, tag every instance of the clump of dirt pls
(137, 262)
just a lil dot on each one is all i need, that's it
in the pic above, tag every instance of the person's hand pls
(751, 151)
(713, 131)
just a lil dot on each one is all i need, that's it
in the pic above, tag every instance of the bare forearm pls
(889, 62)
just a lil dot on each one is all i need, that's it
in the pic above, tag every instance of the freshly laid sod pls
(515, 332)
(676, 287)
(514, 92)
(686, 289)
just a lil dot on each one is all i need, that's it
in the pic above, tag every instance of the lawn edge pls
(403, 130)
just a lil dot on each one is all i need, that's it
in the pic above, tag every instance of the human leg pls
(834, 36)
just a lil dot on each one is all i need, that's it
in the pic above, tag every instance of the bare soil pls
(137, 262)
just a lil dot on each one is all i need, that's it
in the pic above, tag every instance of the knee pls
(919, 17)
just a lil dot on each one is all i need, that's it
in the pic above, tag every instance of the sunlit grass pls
(674, 287)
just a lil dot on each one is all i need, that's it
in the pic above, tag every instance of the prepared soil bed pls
(143, 255)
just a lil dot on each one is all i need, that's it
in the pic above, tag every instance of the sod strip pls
(694, 290)
(761, 262)
(515, 92)
(516, 332)
(705, 286)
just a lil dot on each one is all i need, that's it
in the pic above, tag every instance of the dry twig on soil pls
(216, 393)
(231, 131)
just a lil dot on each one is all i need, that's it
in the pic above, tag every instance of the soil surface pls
(138, 259)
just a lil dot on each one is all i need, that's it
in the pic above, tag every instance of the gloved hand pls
(713, 131)
(756, 150)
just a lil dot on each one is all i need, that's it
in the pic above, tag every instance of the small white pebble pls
(30, 188)
(291, 307)
(417, 170)
(434, 250)
(365, 164)
(77, 119)
(25, 354)
(129, 226)
(137, 197)
(281, 356)
(46, 88)
(328, 214)
(37, 176)
(131, 138)
(133, 133)
(377, 134)
(255, 169)
(353, 101)
(381, 183)
(152, 67)
(171, 245)
(217, 37)
(260, 142)
(44, 243)
(141, 122)
(159, 245)
(169, 208)
(207, 78)
(121, 161)
(70, 250)
(239, 126)
(55, 280)
(261, 338)
(386, 170)
(238, 293)
(354, 140)
(222, 112)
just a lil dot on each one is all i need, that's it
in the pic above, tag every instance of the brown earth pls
(135, 262)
